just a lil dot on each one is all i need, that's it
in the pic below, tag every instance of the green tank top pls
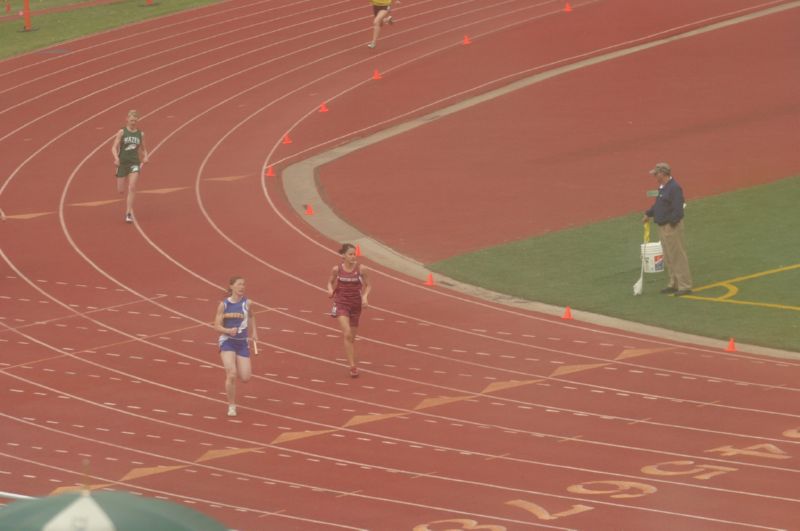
(129, 146)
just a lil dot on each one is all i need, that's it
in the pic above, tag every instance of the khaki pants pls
(675, 257)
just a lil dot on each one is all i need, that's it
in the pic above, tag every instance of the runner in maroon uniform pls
(349, 286)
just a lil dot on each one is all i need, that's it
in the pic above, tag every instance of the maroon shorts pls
(378, 9)
(353, 311)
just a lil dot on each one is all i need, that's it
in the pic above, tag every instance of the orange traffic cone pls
(309, 210)
(567, 314)
(358, 250)
(430, 281)
(376, 74)
(286, 139)
(466, 40)
(567, 8)
(270, 172)
(731, 346)
(323, 107)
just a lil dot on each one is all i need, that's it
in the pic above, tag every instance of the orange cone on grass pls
(567, 314)
(731, 346)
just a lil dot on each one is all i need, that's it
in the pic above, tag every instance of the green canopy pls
(102, 511)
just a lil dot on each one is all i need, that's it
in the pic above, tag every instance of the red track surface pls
(468, 412)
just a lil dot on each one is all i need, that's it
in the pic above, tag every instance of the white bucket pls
(653, 256)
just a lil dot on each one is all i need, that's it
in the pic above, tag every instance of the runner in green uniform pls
(128, 143)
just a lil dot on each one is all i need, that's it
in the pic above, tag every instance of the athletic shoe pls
(128, 218)
(231, 411)
(353, 372)
(669, 289)
(682, 292)
(371, 45)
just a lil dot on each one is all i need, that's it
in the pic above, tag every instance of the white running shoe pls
(128, 218)
(231, 410)
(371, 45)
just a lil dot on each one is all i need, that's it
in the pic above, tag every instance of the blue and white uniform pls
(235, 314)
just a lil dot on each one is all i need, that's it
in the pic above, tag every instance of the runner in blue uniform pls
(234, 321)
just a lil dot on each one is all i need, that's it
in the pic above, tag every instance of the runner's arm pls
(115, 147)
(366, 285)
(218, 322)
(332, 281)
(145, 157)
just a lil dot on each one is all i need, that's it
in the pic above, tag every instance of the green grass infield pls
(744, 253)
(48, 29)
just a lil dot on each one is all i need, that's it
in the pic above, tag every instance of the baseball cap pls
(663, 168)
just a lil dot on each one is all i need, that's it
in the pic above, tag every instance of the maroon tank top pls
(348, 286)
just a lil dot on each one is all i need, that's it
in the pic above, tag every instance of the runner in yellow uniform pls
(381, 11)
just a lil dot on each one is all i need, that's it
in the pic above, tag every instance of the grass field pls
(54, 28)
(593, 268)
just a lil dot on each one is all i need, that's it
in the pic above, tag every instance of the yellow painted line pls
(163, 190)
(433, 402)
(635, 352)
(97, 203)
(295, 435)
(732, 291)
(749, 277)
(744, 303)
(149, 471)
(79, 488)
(569, 369)
(217, 454)
(499, 386)
(28, 216)
(363, 419)
(228, 178)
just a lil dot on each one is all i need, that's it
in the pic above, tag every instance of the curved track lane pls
(466, 411)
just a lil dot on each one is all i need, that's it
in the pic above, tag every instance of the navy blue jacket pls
(668, 207)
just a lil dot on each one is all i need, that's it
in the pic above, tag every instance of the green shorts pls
(123, 170)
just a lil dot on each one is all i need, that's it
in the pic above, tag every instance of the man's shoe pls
(669, 290)
(682, 292)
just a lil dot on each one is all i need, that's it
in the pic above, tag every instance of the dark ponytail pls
(346, 247)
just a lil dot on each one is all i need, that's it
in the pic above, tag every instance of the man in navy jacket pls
(667, 212)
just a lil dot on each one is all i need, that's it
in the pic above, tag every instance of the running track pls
(468, 415)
